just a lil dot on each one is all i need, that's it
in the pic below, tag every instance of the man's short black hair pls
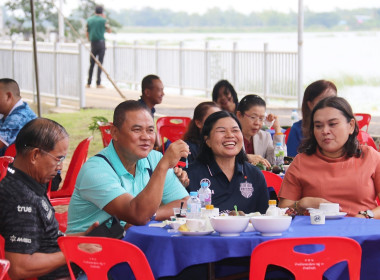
(127, 106)
(39, 133)
(147, 82)
(99, 9)
(11, 85)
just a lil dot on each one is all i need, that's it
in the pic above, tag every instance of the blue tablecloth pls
(168, 254)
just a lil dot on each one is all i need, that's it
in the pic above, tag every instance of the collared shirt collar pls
(18, 104)
(39, 189)
(113, 157)
(215, 169)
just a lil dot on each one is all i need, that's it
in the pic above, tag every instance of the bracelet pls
(295, 205)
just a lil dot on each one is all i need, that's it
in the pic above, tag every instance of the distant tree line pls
(18, 19)
(349, 19)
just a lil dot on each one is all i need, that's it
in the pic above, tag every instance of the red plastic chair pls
(61, 217)
(4, 162)
(363, 121)
(287, 131)
(105, 131)
(79, 157)
(4, 266)
(303, 265)
(273, 180)
(10, 151)
(114, 251)
(365, 139)
(171, 128)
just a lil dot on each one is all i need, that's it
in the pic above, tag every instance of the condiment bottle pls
(273, 210)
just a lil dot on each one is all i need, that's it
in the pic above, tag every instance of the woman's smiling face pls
(226, 138)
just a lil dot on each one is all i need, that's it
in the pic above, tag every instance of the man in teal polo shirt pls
(96, 27)
(128, 179)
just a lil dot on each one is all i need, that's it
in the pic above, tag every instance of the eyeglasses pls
(58, 159)
(255, 118)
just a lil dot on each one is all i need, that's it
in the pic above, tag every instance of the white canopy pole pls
(300, 53)
(61, 25)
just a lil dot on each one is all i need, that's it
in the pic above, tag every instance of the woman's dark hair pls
(228, 88)
(193, 133)
(351, 147)
(312, 91)
(249, 101)
(206, 156)
(39, 133)
(126, 106)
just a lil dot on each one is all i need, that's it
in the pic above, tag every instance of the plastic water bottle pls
(193, 206)
(273, 210)
(294, 116)
(204, 194)
(279, 154)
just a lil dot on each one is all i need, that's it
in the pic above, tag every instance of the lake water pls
(328, 55)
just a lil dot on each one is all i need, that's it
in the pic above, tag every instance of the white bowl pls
(229, 225)
(271, 225)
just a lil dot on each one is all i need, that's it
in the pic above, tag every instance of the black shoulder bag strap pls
(106, 159)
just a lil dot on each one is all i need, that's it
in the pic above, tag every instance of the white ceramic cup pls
(317, 217)
(329, 208)
(285, 167)
(195, 224)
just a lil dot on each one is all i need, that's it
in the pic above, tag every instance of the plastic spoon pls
(237, 213)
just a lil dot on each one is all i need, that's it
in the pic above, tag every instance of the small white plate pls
(335, 216)
(196, 233)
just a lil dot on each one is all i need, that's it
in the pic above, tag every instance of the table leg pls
(211, 271)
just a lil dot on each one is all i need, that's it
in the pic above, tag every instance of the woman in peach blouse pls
(332, 166)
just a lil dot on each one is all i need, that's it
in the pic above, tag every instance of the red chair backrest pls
(171, 128)
(105, 131)
(363, 121)
(2, 256)
(10, 151)
(79, 157)
(60, 216)
(303, 265)
(287, 131)
(4, 266)
(365, 139)
(4, 162)
(62, 220)
(273, 180)
(114, 251)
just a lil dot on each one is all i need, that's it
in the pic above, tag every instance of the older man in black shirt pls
(27, 220)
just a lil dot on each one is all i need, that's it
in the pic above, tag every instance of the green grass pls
(76, 124)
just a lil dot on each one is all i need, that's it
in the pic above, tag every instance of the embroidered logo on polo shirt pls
(205, 182)
(25, 209)
(11, 170)
(44, 205)
(246, 189)
(20, 239)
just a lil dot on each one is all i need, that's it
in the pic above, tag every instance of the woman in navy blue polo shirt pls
(222, 163)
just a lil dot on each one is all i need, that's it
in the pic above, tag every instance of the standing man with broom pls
(97, 25)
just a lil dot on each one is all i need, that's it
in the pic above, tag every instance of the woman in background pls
(193, 134)
(332, 166)
(225, 96)
(258, 143)
(315, 92)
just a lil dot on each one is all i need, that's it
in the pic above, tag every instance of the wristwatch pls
(368, 214)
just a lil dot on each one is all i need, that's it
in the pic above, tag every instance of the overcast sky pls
(244, 6)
